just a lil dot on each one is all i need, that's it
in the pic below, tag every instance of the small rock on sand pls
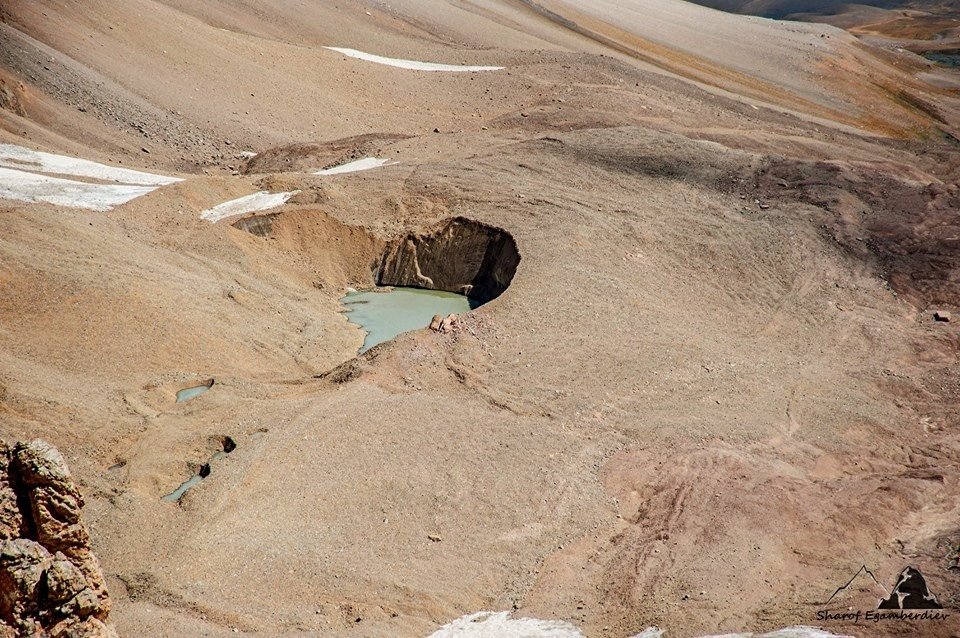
(941, 315)
(449, 323)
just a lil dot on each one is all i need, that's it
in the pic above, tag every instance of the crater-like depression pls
(451, 267)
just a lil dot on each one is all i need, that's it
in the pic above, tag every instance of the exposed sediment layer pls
(312, 156)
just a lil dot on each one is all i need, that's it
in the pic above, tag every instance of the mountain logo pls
(910, 599)
(910, 592)
(862, 573)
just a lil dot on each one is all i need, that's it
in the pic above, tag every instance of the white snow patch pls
(488, 624)
(413, 65)
(24, 159)
(799, 631)
(248, 204)
(364, 164)
(29, 187)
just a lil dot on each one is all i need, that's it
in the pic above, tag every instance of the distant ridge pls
(783, 8)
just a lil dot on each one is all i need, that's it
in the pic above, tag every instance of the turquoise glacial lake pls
(384, 313)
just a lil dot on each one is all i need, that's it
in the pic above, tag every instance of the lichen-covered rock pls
(23, 565)
(64, 580)
(55, 504)
(55, 501)
(11, 519)
(50, 581)
(89, 628)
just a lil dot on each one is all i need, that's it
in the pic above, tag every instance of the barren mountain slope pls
(183, 78)
(713, 389)
(919, 26)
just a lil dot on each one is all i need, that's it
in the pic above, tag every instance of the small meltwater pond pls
(387, 312)
(191, 393)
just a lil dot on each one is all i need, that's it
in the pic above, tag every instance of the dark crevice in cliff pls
(457, 255)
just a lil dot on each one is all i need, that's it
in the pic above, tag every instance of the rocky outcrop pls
(50, 581)
(444, 324)
(459, 255)
(12, 95)
(449, 323)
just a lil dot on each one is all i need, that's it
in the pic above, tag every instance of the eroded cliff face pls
(458, 255)
(50, 581)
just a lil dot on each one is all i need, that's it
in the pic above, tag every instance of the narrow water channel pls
(228, 446)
